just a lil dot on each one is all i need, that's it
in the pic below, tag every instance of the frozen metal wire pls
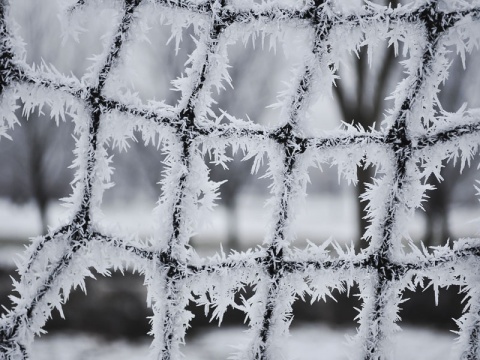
(272, 262)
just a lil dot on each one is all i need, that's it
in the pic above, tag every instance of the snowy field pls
(321, 214)
(321, 217)
(305, 343)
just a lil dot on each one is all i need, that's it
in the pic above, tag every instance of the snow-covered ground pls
(306, 343)
(320, 216)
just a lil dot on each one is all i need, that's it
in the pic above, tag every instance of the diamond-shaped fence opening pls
(135, 185)
(444, 306)
(42, 151)
(154, 58)
(241, 217)
(327, 212)
(332, 309)
(258, 68)
(40, 29)
(112, 307)
(418, 299)
(450, 209)
(415, 131)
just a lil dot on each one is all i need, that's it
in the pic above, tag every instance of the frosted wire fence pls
(416, 136)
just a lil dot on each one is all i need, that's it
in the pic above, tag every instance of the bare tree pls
(363, 103)
(453, 94)
(35, 166)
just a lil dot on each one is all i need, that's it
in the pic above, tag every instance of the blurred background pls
(35, 174)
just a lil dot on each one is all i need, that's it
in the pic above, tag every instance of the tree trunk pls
(437, 231)
(37, 174)
(42, 208)
(233, 239)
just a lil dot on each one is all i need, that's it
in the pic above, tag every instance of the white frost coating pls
(415, 137)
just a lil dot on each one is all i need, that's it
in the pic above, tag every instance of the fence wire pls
(416, 137)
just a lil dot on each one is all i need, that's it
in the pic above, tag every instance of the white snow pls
(312, 342)
(321, 216)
